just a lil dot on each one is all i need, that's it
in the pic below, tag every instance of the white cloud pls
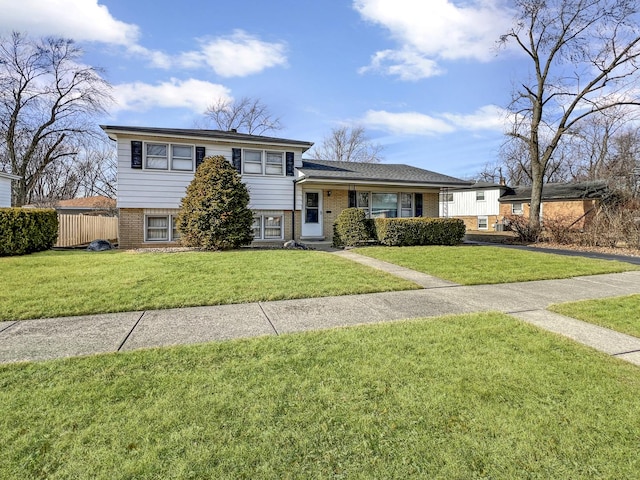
(487, 118)
(406, 64)
(191, 94)
(434, 31)
(82, 20)
(236, 55)
(407, 123)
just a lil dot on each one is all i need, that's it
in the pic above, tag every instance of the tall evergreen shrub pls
(214, 213)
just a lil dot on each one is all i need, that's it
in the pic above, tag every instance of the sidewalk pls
(73, 336)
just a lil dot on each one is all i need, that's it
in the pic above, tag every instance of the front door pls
(312, 214)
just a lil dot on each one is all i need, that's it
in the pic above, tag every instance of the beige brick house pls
(573, 203)
(291, 198)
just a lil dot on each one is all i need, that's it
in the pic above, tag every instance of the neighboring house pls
(575, 203)
(477, 205)
(97, 205)
(291, 198)
(5, 188)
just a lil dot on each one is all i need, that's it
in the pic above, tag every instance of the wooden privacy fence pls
(76, 230)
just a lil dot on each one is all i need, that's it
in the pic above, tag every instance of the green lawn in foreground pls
(62, 283)
(619, 313)
(475, 265)
(474, 396)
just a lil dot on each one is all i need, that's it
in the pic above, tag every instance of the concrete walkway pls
(43, 339)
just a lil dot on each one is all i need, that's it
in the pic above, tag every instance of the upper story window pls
(480, 196)
(261, 162)
(164, 156)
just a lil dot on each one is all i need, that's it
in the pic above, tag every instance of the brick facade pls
(569, 211)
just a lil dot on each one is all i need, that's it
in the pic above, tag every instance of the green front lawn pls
(470, 265)
(59, 283)
(475, 396)
(620, 313)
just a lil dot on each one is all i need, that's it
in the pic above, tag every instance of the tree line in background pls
(603, 148)
(48, 137)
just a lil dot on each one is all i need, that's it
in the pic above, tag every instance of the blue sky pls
(424, 77)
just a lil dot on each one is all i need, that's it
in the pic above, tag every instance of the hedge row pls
(396, 232)
(352, 228)
(27, 231)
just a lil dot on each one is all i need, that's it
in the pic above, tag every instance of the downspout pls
(293, 212)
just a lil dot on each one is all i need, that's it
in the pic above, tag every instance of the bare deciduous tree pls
(584, 58)
(246, 115)
(47, 98)
(346, 144)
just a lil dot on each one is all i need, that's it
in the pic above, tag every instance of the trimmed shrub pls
(25, 231)
(351, 228)
(214, 214)
(419, 231)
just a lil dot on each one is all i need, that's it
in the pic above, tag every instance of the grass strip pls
(62, 283)
(620, 313)
(473, 396)
(475, 265)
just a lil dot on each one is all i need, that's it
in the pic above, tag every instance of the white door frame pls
(313, 229)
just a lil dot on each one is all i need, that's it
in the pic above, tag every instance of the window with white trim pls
(161, 228)
(252, 162)
(516, 208)
(275, 163)
(267, 227)
(480, 196)
(446, 197)
(406, 205)
(483, 223)
(165, 156)
(263, 162)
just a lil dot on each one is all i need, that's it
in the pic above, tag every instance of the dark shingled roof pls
(558, 191)
(205, 134)
(374, 172)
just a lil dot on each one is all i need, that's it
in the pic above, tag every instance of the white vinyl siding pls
(466, 203)
(5, 192)
(163, 189)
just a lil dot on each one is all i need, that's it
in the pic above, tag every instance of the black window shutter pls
(136, 154)
(200, 151)
(352, 198)
(289, 158)
(236, 159)
(418, 204)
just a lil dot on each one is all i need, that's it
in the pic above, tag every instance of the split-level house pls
(291, 198)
